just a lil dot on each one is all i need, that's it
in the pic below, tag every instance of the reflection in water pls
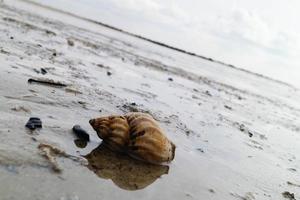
(80, 143)
(125, 172)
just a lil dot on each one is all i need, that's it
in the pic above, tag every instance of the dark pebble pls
(130, 108)
(288, 195)
(211, 190)
(242, 127)
(208, 93)
(133, 104)
(70, 42)
(43, 71)
(201, 150)
(108, 73)
(82, 134)
(250, 134)
(54, 54)
(81, 102)
(37, 71)
(11, 37)
(170, 79)
(228, 107)
(33, 123)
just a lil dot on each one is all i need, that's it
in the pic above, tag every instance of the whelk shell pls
(137, 134)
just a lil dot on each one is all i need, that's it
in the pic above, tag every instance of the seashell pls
(138, 134)
(113, 130)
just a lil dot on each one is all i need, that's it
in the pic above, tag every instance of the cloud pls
(250, 28)
(238, 25)
(137, 5)
(167, 12)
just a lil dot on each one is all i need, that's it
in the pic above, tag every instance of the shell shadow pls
(126, 172)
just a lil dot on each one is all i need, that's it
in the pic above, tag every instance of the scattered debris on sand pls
(50, 152)
(288, 195)
(43, 71)
(19, 108)
(228, 107)
(108, 73)
(293, 184)
(70, 42)
(73, 90)
(47, 82)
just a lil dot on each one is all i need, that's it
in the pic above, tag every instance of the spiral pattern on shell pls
(113, 130)
(137, 134)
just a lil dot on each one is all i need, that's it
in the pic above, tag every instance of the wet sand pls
(237, 133)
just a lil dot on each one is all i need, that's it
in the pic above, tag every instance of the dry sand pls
(237, 134)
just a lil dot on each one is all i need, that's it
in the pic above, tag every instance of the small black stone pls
(33, 123)
(11, 37)
(288, 195)
(170, 79)
(108, 73)
(36, 70)
(242, 127)
(43, 71)
(70, 42)
(201, 150)
(82, 134)
(208, 93)
(250, 134)
(228, 107)
(133, 104)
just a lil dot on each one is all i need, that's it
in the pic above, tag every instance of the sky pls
(260, 36)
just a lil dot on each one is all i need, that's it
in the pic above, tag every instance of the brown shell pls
(147, 140)
(136, 133)
(113, 130)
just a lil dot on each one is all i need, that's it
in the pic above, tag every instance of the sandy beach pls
(237, 133)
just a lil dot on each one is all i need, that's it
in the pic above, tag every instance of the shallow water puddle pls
(124, 171)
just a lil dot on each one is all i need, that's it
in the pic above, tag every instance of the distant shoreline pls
(160, 43)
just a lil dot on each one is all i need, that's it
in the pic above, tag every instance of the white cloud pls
(251, 29)
(137, 5)
(161, 12)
